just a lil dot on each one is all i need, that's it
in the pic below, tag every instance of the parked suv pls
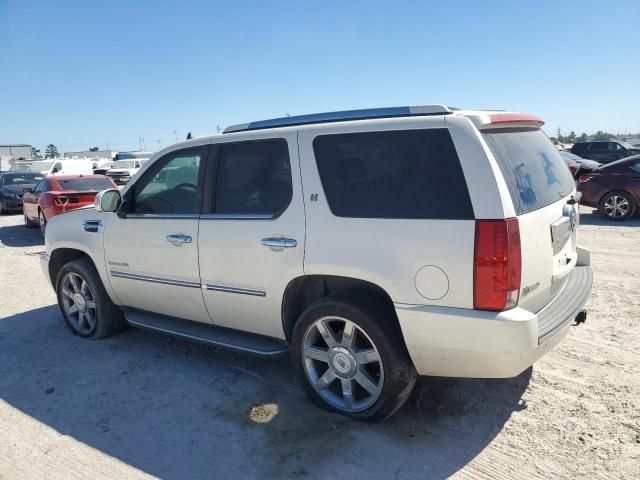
(604, 152)
(374, 245)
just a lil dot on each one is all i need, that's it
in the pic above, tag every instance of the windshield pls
(123, 156)
(626, 145)
(41, 165)
(85, 184)
(21, 178)
(125, 164)
(534, 171)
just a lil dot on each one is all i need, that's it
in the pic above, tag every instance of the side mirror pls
(108, 200)
(27, 190)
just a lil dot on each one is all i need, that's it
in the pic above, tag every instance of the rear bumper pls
(454, 342)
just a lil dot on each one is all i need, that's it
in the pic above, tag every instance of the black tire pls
(109, 319)
(376, 320)
(605, 207)
(27, 221)
(42, 220)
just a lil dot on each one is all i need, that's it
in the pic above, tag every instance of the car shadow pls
(20, 236)
(590, 216)
(179, 410)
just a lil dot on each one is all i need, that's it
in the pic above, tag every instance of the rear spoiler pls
(493, 120)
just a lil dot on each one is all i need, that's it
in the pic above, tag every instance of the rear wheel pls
(43, 222)
(84, 303)
(351, 359)
(617, 206)
(27, 221)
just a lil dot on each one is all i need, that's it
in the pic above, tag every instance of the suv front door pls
(151, 245)
(251, 238)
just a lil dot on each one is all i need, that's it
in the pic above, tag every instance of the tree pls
(572, 137)
(600, 135)
(51, 151)
(582, 138)
(35, 153)
(94, 149)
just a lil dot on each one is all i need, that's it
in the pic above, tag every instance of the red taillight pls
(584, 178)
(497, 264)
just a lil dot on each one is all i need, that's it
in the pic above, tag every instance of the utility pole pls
(159, 144)
(175, 136)
(218, 128)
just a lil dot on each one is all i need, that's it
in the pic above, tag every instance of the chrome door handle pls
(178, 239)
(279, 242)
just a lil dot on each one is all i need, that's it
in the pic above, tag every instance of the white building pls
(17, 151)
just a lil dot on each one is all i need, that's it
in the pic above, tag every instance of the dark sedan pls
(11, 186)
(614, 188)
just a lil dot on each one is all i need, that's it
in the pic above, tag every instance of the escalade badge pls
(118, 264)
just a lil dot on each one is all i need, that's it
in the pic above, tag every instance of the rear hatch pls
(542, 190)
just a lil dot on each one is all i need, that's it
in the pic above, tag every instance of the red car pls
(52, 196)
(613, 188)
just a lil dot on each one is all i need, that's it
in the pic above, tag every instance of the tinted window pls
(41, 187)
(579, 147)
(172, 186)
(20, 178)
(253, 177)
(393, 174)
(85, 184)
(598, 146)
(532, 168)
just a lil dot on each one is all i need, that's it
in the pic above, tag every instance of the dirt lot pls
(140, 404)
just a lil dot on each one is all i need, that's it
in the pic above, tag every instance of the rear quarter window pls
(393, 174)
(534, 171)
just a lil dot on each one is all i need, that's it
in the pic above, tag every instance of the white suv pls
(375, 245)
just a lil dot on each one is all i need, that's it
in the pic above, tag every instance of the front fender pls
(68, 231)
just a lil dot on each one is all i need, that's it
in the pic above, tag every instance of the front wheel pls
(351, 359)
(617, 206)
(84, 303)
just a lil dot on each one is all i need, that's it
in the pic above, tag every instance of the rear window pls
(393, 174)
(533, 169)
(85, 184)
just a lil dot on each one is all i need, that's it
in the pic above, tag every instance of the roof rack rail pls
(345, 115)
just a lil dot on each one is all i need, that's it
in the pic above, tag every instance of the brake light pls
(515, 118)
(497, 264)
(584, 178)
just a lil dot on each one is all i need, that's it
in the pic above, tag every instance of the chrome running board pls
(210, 334)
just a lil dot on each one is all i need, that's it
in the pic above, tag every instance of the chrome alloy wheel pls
(342, 363)
(79, 303)
(616, 206)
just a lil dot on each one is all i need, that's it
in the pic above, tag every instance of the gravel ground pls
(140, 404)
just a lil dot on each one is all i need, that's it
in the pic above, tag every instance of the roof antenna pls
(189, 137)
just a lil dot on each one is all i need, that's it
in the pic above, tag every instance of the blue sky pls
(85, 73)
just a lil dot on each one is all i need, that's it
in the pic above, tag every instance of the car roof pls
(622, 161)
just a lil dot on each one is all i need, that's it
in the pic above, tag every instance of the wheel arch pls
(60, 257)
(302, 291)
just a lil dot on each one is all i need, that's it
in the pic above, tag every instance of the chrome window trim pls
(163, 215)
(242, 291)
(153, 279)
(237, 216)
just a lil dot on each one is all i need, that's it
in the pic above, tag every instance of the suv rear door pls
(541, 189)
(252, 231)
